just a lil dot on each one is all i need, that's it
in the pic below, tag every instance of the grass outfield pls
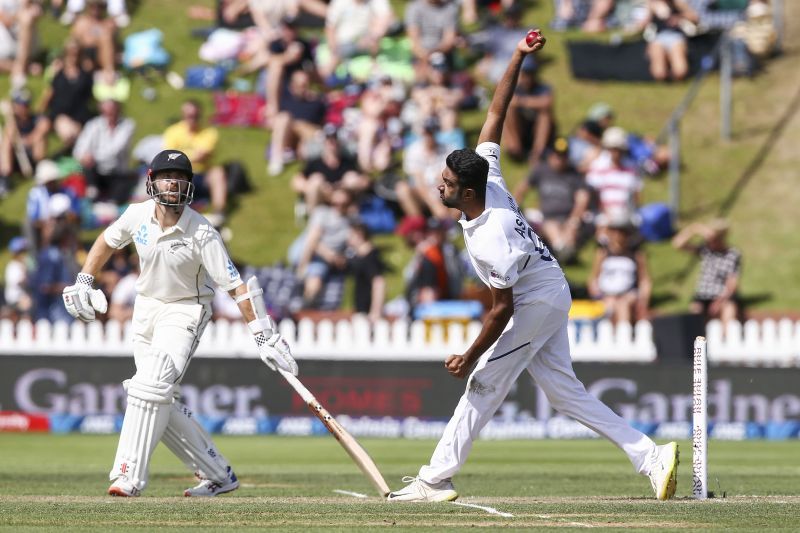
(58, 482)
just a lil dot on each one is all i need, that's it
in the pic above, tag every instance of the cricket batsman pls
(181, 255)
(526, 327)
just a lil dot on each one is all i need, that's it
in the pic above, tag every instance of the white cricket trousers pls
(535, 340)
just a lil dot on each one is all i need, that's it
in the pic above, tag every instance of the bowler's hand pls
(537, 45)
(458, 366)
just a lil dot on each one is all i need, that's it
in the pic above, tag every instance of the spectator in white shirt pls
(354, 27)
(18, 300)
(103, 149)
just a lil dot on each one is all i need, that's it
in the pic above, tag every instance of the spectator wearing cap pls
(47, 183)
(103, 150)
(300, 117)
(319, 252)
(563, 199)
(620, 276)
(529, 125)
(615, 183)
(17, 37)
(425, 275)
(30, 131)
(331, 169)
(354, 27)
(199, 143)
(716, 293)
(423, 162)
(17, 298)
(431, 26)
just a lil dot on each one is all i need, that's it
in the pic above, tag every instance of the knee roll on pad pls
(155, 377)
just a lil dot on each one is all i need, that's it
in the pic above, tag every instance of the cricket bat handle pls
(358, 454)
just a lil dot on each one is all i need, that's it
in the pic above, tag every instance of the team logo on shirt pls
(177, 245)
(232, 272)
(496, 275)
(141, 235)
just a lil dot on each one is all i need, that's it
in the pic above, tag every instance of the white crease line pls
(490, 510)
(350, 493)
(579, 524)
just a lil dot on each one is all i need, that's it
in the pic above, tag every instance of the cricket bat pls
(358, 454)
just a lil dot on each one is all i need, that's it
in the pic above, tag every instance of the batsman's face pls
(171, 184)
(449, 190)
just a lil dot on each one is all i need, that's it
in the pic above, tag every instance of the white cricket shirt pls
(178, 263)
(503, 248)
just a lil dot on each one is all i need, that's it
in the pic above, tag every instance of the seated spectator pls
(469, 8)
(56, 267)
(620, 277)
(563, 200)
(498, 42)
(669, 22)
(18, 303)
(598, 13)
(716, 293)
(17, 37)
(123, 295)
(68, 99)
(320, 249)
(332, 169)
(47, 183)
(425, 275)
(432, 26)
(755, 38)
(380, 103)
(354, 27)
(116, 10)
(288, 52)
(585, 145)
(27, 130)
(438, 97)
(301, 115)
(529, 125)
(616, 184)
(95, 31)
(423, 162)
(103, 150)
(365, 264)
(199, 143)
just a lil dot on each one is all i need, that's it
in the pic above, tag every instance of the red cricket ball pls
(532, 37)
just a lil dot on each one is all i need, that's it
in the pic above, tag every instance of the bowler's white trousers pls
(535, 340)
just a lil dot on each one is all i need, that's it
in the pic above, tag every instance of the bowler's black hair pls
(471, 170)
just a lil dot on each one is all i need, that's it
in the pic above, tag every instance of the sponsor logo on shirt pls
(496, 275)
(177, 245)
(232, 272)
(141, 235)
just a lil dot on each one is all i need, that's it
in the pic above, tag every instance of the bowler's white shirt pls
(504, 249)
(178, 263)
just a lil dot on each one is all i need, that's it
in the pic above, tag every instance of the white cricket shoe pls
(208, 488)
(123, 487)
(418, 490)
(664, 471)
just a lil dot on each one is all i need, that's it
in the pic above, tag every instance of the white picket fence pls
(758, 343)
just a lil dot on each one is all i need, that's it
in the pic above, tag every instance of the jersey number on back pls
(525, 231)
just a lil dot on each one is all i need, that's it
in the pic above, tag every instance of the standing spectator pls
(18, 302)
(322, 175)
(301, 115)
(716, 294)
(17, 37)
(422, 162)
(199, 143)
(616, 184)
(563, 199)
(367, 268)
(530, 126)
(620, 277)
(432, 26)
(30, 131)
(67, 100)
(671, 21)
(103, 150)
(354, 27)
(320, 251)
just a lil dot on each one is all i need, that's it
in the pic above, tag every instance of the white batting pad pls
(142, 428)
(186, 438)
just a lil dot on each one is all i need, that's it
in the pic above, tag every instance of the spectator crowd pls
(369, 107)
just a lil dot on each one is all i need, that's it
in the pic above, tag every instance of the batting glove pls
(81, 300)
(272, 347)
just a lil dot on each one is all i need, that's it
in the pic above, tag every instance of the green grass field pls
(58, 483)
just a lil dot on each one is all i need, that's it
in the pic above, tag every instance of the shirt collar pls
(180, 225)
(477, 221)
